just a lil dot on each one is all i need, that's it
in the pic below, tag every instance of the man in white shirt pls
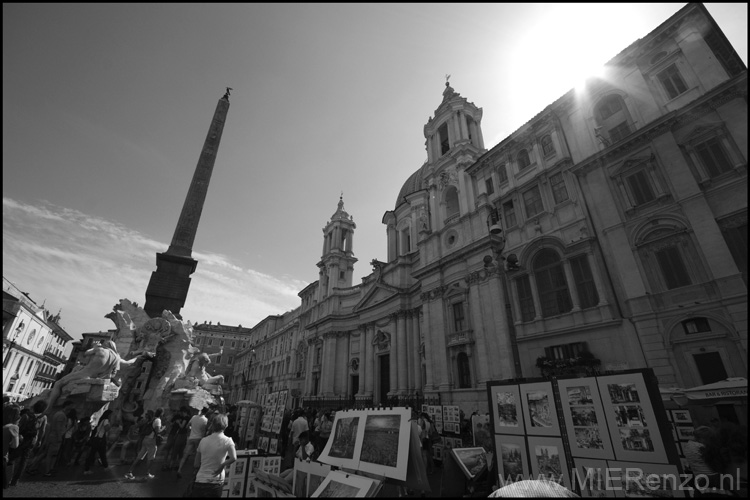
(197, 427)
(299, 425)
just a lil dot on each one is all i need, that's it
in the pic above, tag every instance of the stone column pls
(501, 348)
(416, 358)
(572, 286)
(402, 353)
(595, 273)
(410, 347)
(514, 302)
(429, 377)
(483, 349)
(364, 351)
(369, 361)
(464, 126)
(535, 296)
(393, 364)
(327, 368)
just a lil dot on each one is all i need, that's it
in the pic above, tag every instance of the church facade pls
(608, 232)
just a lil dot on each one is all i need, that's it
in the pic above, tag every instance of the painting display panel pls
(547, 457)
(646, 480)
(512, 458)
(342, 448)
(236, 487)
(239, 467)
(384, 447)
(340, 485)
(591, 476)
(507, 414)
(681, 417)
(685, 432)
(272, 445)
(584, 418)
(539, 411)
(631, 419)
(471, 460)
(308, 476)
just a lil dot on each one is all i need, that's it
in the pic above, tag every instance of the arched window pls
(451, 202)
(551, 283)
(612, 117)
(464, 374)
(548, 148)
(31, 336)
(523, 159)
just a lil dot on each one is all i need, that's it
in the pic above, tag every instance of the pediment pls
(699, 133)
(380, 292)
(631, 163)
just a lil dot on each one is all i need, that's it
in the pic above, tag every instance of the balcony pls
(45, 377)
(460, 338)
(50, 356)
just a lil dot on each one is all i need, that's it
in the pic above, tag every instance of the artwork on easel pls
(586, 423)
(539, 411)
(385, 443)
(512, 459)
(507, 413)
(345, 435)
(472, 461)
(308, 476)
(631, 418)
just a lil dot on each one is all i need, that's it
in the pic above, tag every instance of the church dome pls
(414, 183)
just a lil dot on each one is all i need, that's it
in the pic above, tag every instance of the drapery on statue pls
(101, 361)
(196, 369)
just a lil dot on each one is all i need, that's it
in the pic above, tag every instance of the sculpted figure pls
(101, 361)
(197, 369)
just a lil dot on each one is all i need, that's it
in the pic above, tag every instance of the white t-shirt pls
(214, 450)
(197, 427)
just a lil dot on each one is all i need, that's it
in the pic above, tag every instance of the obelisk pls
(169, 284)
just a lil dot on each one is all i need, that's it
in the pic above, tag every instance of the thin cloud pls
(84, 265)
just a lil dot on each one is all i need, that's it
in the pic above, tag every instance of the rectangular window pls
(736, 238)
(672, 267)
(584, 281)
(341, 275)
(559, 191)
(459, 324)
(510, 214)
(696, 325)
(533, 201)
(619, 132)
(713, 157)
(489, 185)
(234, 344)
(502, 173)
(525, 298)
(672, 81)
(218, 360)
(221, 343)
(211, 342)
(229, 361)
(640, 187)
(565, 351)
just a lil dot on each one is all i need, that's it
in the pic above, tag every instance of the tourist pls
(132, 441)
(144, 429)
(326, 424)
(98, 443)
(693, 451)
(150, 444)
(66, 449)
(53, 440)
(11, 437)
(32, 427)
(179, 434)
(81, 437)
(215, 452)
(197, 425)
(425, 423)
(299, 425)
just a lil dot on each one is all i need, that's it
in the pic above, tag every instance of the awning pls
(731, 388)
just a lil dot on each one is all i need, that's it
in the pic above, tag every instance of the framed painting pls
(540, 415)
(584, 417)
(639, 480)
(631, 419)
(685, 432)
(507, 414)
(458, 442)
(340, 485)
(437, 452)
(273, 465)
(384, 447)
(236, 487)
(345, 443)
(273, 445)
(512, 458)
(547, 457)
(472, 461)
(250, 491)
(239, 467)
(481, 432)
(256, 463)
(592, 477)
(681, 417)
(448, 443)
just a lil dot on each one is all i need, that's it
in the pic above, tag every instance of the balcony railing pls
(53, 358)
(460, 338)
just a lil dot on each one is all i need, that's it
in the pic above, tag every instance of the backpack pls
(146, 428)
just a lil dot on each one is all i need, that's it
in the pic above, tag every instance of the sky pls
(106, 107)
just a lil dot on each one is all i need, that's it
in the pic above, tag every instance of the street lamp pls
(497, 242)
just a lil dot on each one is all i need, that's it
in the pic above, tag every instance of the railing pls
(53, 357)
(458, 338)
(355, 403)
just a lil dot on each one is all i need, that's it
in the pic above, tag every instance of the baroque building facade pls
(34, 345)
(610, 228)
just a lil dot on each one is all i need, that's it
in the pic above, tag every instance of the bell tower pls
(337, 263)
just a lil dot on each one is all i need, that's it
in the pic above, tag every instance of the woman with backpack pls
(151, 443)
(98, 443)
